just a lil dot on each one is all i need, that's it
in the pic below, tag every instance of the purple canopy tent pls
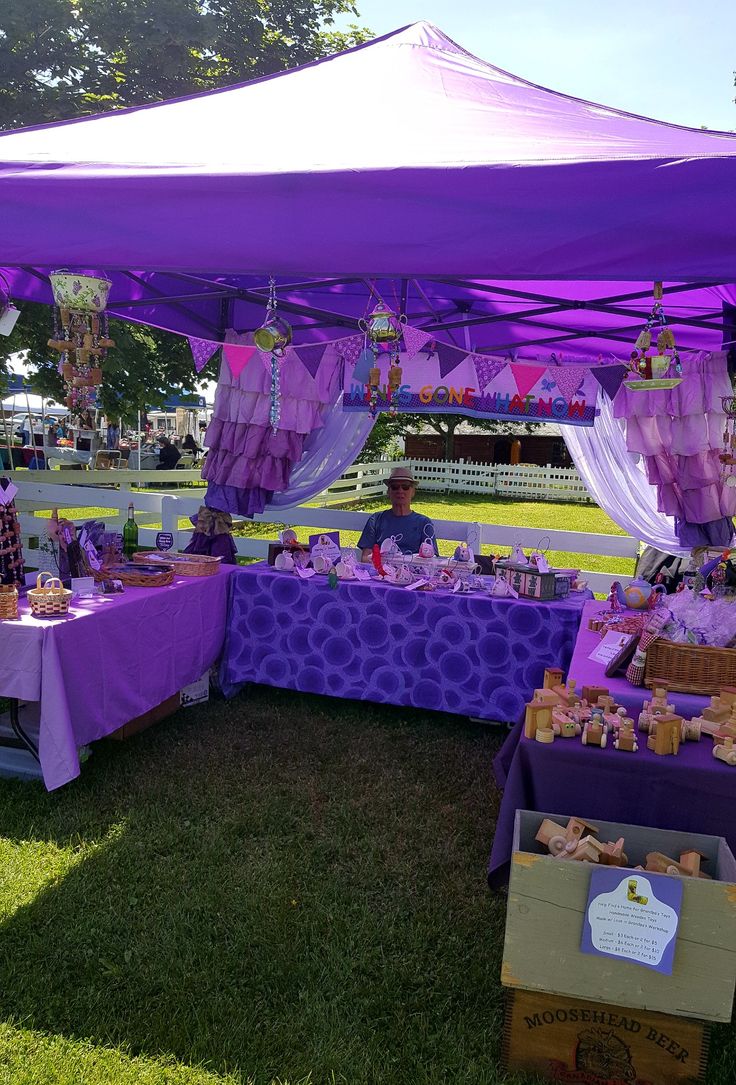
(493, 212)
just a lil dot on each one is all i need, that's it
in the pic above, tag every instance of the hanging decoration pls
(650, 372)
(8, 312)
(728, 455)
(80, 335)
(383, 330)
(273, 337)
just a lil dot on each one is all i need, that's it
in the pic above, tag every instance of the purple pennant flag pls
(311, 356)
(486, 369)
(415, 339)
(450, 358)
(609, 377)
(202, 351)
(350, 349)
(568, 379)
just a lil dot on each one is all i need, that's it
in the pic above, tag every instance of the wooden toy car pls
(666, 738)
(726, 751)
(594, 733)
(626, 739)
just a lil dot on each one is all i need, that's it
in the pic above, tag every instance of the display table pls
(469, 654)
(690, 791)
(112, 659)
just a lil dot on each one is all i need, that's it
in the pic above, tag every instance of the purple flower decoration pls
(76, 287)
(96, 301)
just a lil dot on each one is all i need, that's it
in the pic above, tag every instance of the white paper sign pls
(609, 647)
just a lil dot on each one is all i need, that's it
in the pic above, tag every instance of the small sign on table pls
(164, 540)
(633, 916)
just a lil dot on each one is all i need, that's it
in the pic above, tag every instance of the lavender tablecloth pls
(471, 655)
(112, 659)
(691, 791)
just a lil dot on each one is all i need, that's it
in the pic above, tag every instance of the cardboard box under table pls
(544, 923)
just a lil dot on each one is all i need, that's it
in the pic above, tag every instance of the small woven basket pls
(8, 601)
(131, 579)
(690, 668)
(49, 600)
(184, 564)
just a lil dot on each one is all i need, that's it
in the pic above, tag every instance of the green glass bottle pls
(130, 534)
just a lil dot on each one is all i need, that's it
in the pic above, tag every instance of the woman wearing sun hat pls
(409, 529)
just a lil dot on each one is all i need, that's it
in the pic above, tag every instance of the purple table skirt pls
(112, 659)
(691, 791)
(470, 655)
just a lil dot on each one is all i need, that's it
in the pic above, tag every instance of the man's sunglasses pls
(400, 485)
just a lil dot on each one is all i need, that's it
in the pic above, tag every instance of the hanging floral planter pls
(83, 293)
(80, 334)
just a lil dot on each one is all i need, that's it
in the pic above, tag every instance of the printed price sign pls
(164, 540)
(633, 917)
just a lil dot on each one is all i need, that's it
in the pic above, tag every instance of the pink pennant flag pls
(237, 357)
(202, 351)
(568, 379)
(415, 339)
(526, 376)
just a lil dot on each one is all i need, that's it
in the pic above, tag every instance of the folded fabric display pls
(679, 432)
(247, 462)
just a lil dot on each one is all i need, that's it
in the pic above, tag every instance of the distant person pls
(169, 455)
(113, 437)
(51, 436)
(400, 522)
(191, 446)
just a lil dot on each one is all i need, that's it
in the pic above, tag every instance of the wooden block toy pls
(690, 731)
(553, 676)
(726, 751)
(626, 740)
(725, 730)
(587, 850)
(594, 734)
(666, 739)
(592, 693)
(691, 861)
(567, 696)
(569, 729)
(546, 696)
(728, 695)
(545, 735)
(557, 838)
(718, 711)
(537, 717)
(613, 854)
(658, 863)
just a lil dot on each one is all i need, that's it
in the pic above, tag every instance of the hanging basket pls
(85, 293)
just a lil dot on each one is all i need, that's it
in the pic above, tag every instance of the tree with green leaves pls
(387, 431)
(67, 58)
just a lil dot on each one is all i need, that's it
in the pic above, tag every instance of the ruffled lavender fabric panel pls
(679, 432)
(247, 462)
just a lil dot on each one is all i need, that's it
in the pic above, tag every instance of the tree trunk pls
(450, 443)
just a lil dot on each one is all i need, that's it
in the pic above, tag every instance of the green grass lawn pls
(283, 888)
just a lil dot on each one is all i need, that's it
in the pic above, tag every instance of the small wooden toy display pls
(626, 738)
(8, 602)
(595, 732)
(49, 599)
(576, 841)
(688, 865)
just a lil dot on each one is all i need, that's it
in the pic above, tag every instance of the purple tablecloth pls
(691, 791)
(471, 655)
(114, 658)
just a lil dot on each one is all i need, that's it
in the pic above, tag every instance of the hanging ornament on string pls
(274, 337)
(80, 334)
(728, 455)
(663, 369)
(383, 330)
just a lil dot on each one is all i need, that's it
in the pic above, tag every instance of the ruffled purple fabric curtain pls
(246, 461)
(679, 432)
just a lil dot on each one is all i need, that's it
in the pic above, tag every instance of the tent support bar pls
(160, 299)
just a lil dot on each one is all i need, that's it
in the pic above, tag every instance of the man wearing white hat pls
(409, 529)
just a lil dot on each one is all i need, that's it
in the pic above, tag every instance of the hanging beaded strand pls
(728, 456)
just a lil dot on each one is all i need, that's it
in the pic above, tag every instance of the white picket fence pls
(364, 480)
(170, 512)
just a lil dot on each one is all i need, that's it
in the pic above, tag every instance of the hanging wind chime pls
(728, 456)
(273, 337)
(80, 335)
(383, 330)
(650, 372)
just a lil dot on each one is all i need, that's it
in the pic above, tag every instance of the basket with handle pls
(8, 601)
(49, 599)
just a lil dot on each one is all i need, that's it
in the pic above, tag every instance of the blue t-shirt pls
(409, 531)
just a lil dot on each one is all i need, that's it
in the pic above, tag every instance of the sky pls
(672, 61)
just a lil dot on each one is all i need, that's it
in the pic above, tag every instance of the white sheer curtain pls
(617, 481)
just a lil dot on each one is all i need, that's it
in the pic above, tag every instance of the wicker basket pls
(131, 578)
(49, 600)
(184, 564)
(690, 668)
(8, 601)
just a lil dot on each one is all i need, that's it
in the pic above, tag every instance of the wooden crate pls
(570, 1040)
(546, 904)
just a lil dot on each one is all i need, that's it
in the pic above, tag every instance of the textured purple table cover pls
(691, 791)
(114, 658)
(472, 655)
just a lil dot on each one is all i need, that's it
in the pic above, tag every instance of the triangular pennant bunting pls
(449, 358)
(609, 377)
(486, 369)
(202, 351)
(350, 348)
(414, 340)
(568, 379)
(311, 356)
(237, 357)
(526, 376)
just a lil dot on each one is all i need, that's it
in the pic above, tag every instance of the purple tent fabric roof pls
(404, 159)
